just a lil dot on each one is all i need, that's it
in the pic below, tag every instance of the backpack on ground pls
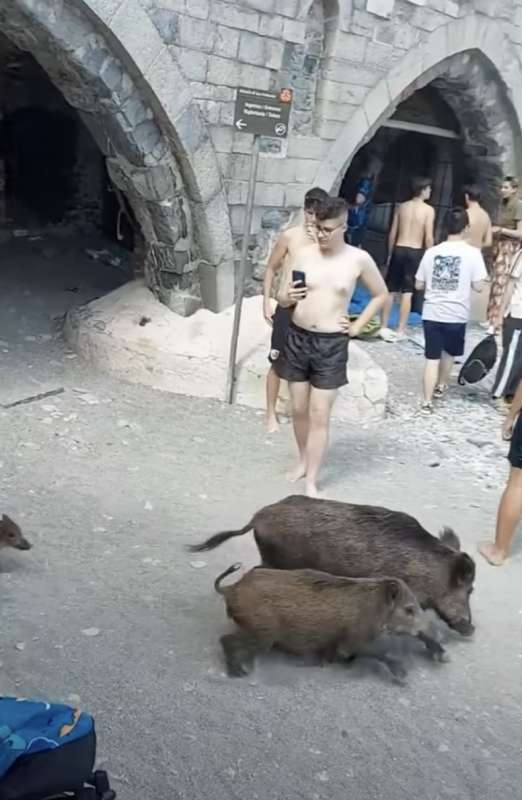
(48, 751)
(480, 362)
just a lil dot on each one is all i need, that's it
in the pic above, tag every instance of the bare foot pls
(272, 423)
(492, 554)
(296, 474)
(312, 491)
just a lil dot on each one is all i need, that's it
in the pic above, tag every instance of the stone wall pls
(350, 64)
(156, 80)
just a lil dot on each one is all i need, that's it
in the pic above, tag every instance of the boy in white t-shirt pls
(448, 272)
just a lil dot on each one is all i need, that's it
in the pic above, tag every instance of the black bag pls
(480, 362)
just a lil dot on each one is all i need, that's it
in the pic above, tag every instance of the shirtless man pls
(285, 254)
(480, 227)
(411, 233)
(316, 352)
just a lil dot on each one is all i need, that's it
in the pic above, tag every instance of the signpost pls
(263, 114)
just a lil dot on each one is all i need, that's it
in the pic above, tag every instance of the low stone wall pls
(189, 356)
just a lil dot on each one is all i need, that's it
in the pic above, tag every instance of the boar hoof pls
(398, 670)
(237, 671)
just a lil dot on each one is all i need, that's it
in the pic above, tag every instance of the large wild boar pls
(360, 541)
(309, 612)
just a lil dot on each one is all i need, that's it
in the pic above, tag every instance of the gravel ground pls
(110, 481)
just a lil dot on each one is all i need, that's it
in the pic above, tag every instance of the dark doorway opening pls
(422, 138)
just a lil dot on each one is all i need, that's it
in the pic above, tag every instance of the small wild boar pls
(11, 535)
(360, 541)
(306, 612)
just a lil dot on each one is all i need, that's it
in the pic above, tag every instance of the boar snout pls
(23, 544)
(463, 626)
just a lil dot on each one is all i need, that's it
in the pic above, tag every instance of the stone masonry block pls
(223, 71)
(288, 8)
(237, 192)
(226, 43)
(306, 147)
(377, 102)
(347, 46)
(339, 112)
(328, 129)
(240, 166)
(334, 91)
(381, 56)
(293, 195)
(294, 31)
(250, 75)
(132, 26)
(196, 34)
(336, 69)
(207, 91)
(234, 17)
(198, 8)
(268, 6)
(252, 48)
(272, 26)
(381, 8)
(165, 79)
(270, 194)
(105, 9)
(277, 170)
(222, 138)
(167, 23)
(193, 64)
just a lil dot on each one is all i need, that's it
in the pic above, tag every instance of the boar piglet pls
(11, 535)
(305, 612)
(359, 541)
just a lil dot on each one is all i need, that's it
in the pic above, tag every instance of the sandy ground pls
(111, 481)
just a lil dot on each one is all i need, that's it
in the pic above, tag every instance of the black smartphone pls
(298, 278)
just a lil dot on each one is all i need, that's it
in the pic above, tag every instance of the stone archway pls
(471, 57)
(110, 64)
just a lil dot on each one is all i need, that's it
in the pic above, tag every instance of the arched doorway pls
(423, 137)
(137, 107)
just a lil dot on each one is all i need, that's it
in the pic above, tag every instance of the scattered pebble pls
(198, 564)
(20, 646)
(91, 632)
(148, 506)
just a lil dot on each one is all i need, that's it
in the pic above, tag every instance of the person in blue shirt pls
(359, 212)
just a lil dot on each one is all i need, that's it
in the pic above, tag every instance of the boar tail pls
(219, 538)
(229, 571)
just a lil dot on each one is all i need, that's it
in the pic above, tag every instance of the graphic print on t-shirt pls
(446, 273)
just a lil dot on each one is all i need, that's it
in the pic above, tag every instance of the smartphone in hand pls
(298, 279)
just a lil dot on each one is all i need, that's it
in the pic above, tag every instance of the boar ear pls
(448, 537)
(392, 592)
(463, 572)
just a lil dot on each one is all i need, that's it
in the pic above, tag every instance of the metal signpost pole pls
(261, 113)
(242, 270)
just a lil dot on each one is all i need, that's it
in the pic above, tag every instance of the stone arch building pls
(155, 80)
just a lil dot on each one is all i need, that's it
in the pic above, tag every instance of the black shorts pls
(444, 337)
(515, 451)
(280, 324)
(317, 358)
(403, 268)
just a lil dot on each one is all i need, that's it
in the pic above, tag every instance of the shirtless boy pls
(285, 254)
(411, 233)
(480, 227)
(316, 351)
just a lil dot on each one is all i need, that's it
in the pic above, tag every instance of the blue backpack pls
(48, 751)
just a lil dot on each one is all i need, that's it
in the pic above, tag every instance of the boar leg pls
(434, 648)
(240, 650)
(395, 666)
